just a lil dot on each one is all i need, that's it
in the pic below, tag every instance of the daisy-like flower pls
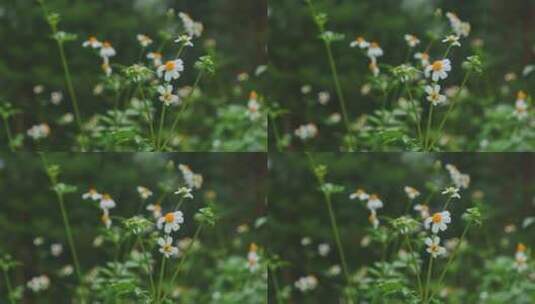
(166, 247)
(38, 89)
(107, 50)
(106, 202)
(412, 40)
(433, 246)
(305, 132)
(192, 179)
(423, 57)
(192, 28)
(252, 258)
(324, 249)
(360, 42)
(56, 249)
(167, 96)
(433, 94)
(423, 209)
(144, 192)
(93, 194)
(39, 131)
(374, 68)
(56, 97)
(521, 258)
(305, 241)
(438, 221)
(374, 202)
(411, 192)
(156, 210)
(373, 219)
(185, 40)
(307, 283)
(185, 192)
(38, 241)
(39, 283)
(453, 40)
(171, 221)
(305, 89)
(452, 192)
(324, 98)
(360, 194)
(156, 58)
(105, 218)
(171, 69)
(144, 40)
(374, 50)
(438, 70)
(93, 42)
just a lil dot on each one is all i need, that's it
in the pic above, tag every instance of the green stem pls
(416, 270)
(429, 122)
(276, 286)
(148, 117)
(417, 117)
(428, 281)
(278, 142)
(9, 135)
(162, 118)
(162, 270)
(9, 289)
(149, 268)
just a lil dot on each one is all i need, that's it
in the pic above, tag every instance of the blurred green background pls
(29, 208)
(298, 57)
(237, 27)
(505, 181)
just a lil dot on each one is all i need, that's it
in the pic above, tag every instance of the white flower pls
(192, 179)
(171, 221)
(56, 249)
(452, 192)
(411, 192)
(306, 241)
(307, 283)
(374, 202)
(360, 42)
(107, 50)
(167, 96)
(192, 28)
(56, 98)
(438, 221)
(252, 258)
(144, 40)
(156, 210)
(66, 271)
(93, 42)
(324, 98)
(459, 27)
(520, 258)
(433, 94)
(92, 194)
(172, 69)
(334, 270)
(185, 192)
(39, 283)
(305, 89)
(453, 40)
(156, 58)
(423, 209)
(521, 106)
(98, 89)
(433, 246)
(38, 241)
(166, 247)
(185, 40)
(459, 179)
(307, 131)
(242, 77)
(97, 242)
(411, 40)
(324, 249)
(38, 89)
(374, 50)
(438, 70)
(360, 194)
(253, 107)
(423, 57)
(39, 131)
(106, 202)
(144, 192)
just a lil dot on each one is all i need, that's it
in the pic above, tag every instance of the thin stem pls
(416, 270)
(149, 268)
(9, 289)
(428, 281)
(9, 136)
(278, 142)
(162, 270)
(275, 285)
(148, 117)
(429, 122)
(417, 117)
(162, 118)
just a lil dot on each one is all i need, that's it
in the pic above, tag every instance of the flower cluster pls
(373, 202)
(373, 51)
(40, 283)
(307, 283)
(305, 132)
(106, 203)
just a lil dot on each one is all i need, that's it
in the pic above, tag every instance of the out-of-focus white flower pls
(459, 27)
(438, 70)
(374, 202)
(324, 249)
(242, 77)
(156, 210)
(334, 270)
(105, 218)
(252, 258)
(433, 94)
(438, 221)
(423, 209)
(37, 284)
(261, 69)
(38, 241)
(521, 258)
(334, 118)
(423, 57)
(433, 246)
(253, 106)
(38, 89)
(184, 192)
(305, 241)
(411, 192)
(307, 283)
(373, 219)
(106, 202)
(374, 68)
(66, 271)
(184, 40)
(93, 194)
(459, 179)
(305, 132)
(452, 192)
(167, 96)
(107, 50)
(171, 221)
(360, 42)
(305, 89)
(144, 192)
(98, 241)
(324, 97)
(93, 42)
(521, 106)
(192, 28)
(452, 40)
(192, 179)
(171, 69)
(360, 194)
(39, 131)
(56, 249)
(144, 40)
(166, 247)
(156, 58)
(106, 68)
(374, 50)
(412, 40)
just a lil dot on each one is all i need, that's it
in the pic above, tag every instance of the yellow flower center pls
(359, 39)
(521, 95)
(169, 217)
(106, 197)
(105, 218)
(437, 218)
(374, 45)
(106, 44)
(170, 65)
(92, 39)
(167, 247)
(253, 95)
(520, 247)
(437, 65)
(253, 247)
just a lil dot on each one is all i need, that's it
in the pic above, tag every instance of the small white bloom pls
(156, 58)
(307, 283)
(452, 192)
(66, 271)
(37, 284)
(412, 40)
(423, 209)
(185, 192)
(360, 194)
(156, 210)
(423, 57)
(438, 70)
(106, 202)
(166, 247)
(105, 218)
(253, 107)
(520, 258)
(306, 241)
(433, 94)
(171, 221)
(373, 219)
(144, 40)
(375, 50)
(360, 42)
(106, 67)
(56, 249)
(184, 40)
(411, 192)
(374, 202)
(334, 270)
(305, 132)
(438, 221)
(374, 68)
(38, 241)
(192, 179)
(107, 50)
(38, 89)
(324, 98)
(167, 96)
(252, 258)
(453, 40)
(39, 131)
(144, 192)
(191, 27)
(92, 194)
(324, 249)
(305, 89)
(93, 42)
(171, 69)
(433, 246)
